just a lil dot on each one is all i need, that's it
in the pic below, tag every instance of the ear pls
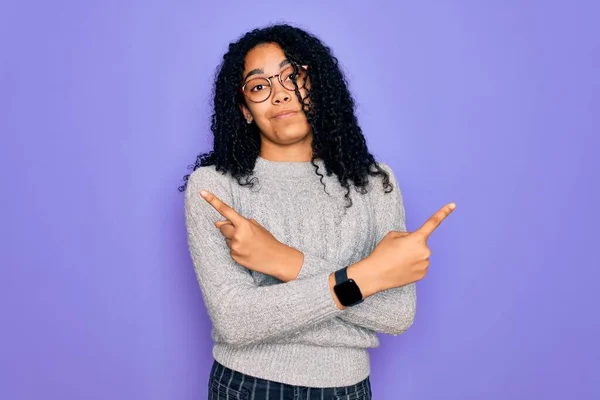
(245, 111)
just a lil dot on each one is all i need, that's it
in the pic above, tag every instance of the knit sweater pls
(293, 332)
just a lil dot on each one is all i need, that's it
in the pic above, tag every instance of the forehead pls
(264, 56)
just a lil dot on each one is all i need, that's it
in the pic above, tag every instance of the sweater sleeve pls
(241, 311)
(390, 311)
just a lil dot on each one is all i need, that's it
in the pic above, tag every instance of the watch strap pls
(341, 275)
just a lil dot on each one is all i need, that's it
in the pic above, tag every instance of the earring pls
(249, 120)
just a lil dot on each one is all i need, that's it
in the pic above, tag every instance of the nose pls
(280, 94)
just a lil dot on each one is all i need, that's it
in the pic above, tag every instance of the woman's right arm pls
(241, 311)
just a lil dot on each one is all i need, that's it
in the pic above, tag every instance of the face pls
(279, 118)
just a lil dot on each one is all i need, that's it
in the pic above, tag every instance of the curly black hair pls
(337, 138)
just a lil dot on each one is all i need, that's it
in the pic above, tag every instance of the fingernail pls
(452, 206)
(203, 193)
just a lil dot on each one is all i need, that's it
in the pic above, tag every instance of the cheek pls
(261, 119)
(259, 110)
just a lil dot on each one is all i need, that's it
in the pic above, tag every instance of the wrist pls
(288, 263)
(366, 276)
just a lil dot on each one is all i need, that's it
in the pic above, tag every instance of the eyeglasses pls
(259, 89)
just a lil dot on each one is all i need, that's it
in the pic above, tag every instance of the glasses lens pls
(257, 89)
(292, 74)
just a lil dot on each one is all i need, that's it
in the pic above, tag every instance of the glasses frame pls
(294, 65)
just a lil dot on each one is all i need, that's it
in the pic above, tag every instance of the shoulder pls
(386, 168)
(378, 180)
(388, 201)
(207, 178)
(380, 192)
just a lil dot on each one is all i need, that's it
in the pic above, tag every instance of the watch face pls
(348, 292)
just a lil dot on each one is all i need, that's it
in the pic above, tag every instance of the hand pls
(403, 257)
(250, 244)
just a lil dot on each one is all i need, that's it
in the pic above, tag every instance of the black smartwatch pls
(346, 290)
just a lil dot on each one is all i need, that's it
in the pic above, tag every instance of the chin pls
(292, 133)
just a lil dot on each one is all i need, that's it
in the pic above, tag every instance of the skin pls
(286, 139)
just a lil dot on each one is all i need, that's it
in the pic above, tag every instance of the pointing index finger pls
(435, 220)
(221, 207)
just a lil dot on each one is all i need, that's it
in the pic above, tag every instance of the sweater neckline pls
(287, 169)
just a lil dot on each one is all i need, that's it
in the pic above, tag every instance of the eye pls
(257, 85)
(293, 75)
(257, 88)
(288, 74)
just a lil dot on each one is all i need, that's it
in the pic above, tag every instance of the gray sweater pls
(293, 332)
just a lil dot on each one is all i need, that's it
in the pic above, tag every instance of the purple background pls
(494, 105)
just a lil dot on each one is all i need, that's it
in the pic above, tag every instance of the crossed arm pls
(390, 311)
(245, 313)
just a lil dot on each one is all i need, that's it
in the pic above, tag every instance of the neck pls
(301, 151)
(287, 169)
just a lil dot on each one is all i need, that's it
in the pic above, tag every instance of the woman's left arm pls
(390, 311)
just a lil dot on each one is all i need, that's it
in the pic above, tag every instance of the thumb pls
(219, 224)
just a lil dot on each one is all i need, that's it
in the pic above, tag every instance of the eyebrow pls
(257, 71)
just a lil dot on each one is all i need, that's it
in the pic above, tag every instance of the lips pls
(285, 114)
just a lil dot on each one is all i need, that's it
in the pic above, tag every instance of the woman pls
(297, 271)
